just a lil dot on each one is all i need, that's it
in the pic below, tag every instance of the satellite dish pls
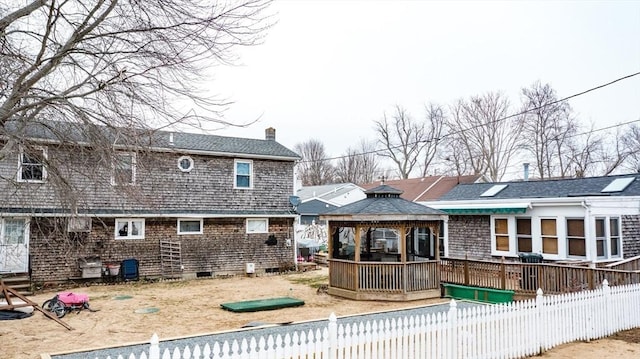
(294, 200)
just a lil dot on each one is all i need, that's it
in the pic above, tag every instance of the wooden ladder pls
(170, 259)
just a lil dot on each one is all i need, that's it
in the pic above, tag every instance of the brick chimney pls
(270, 134)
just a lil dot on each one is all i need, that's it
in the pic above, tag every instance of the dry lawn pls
(193, 307)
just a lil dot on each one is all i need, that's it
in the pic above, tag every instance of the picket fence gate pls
(513, 330)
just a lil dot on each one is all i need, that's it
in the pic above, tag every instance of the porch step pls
(20, 282)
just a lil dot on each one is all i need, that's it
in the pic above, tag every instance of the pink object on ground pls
(70, 298)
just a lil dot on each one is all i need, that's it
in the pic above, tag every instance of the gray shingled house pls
(585, 219)
(184, 205)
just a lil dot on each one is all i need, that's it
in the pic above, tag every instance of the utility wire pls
(505, 118)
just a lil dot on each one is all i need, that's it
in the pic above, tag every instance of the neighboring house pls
(425, 188)
(590, 219)
(317, 200)
(218, 204)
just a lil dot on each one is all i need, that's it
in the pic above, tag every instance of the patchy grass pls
(313, 282)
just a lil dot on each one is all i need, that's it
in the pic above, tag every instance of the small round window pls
(185, 163)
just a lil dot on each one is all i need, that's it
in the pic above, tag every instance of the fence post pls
(154, 348)
(540, 322)
(453, 329)
(608, 307)
(333, 336)
(466, 270)
(503, 275)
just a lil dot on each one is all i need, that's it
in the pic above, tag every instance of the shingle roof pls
(574, 187)
(314, 207)
(326, 192)
(425, 188)
(384, 201)
(159, 140)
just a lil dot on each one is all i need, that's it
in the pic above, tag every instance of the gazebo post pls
(356, 255)
(330, 239)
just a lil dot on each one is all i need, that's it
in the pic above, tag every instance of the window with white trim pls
(185, 163)
(129, 228)
(31, 167)
(614, 237)
(190, 226)
(523, 239)
(257, 225)
(576, 243)
(601, 238)
(243, 174)
(501, 234)
(123, 168)
(14, 230)
(549, 232)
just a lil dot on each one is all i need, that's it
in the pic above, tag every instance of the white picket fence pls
(513, 330)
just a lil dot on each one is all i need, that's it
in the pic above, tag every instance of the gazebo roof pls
(383, 203)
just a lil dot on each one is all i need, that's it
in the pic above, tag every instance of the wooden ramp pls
(262, 304)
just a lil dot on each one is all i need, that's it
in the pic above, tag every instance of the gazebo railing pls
(384, 277)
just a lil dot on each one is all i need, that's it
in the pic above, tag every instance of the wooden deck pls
(384, 280)
(421, 280)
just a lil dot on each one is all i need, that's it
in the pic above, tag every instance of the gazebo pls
(384, 247)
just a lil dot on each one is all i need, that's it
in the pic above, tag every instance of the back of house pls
(181, 204)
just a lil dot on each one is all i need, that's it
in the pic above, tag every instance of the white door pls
(14, 245)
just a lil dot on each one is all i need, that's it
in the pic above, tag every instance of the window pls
(14, 231)
(257, 225)
(129, 228)
(243, 173)
(501, 234)
(79, 224)
(549, 236)
(189, 226)
(601, 238)
(523, 226)
(575, 238)
(124, 169)
(31, 167)
(185, 163)
(614, 233)
(494, 190)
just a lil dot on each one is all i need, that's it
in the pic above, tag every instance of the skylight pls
(618, 184)
(494, 190)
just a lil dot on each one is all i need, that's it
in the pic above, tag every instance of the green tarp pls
(480, 211)
(262, 304)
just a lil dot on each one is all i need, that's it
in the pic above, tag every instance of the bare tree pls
(314, 168)
(403, 140)
(434, 130)
(109, 69)
(484, 136)
(584, 155)
(631, 141)
(358, 165)
(548, 129)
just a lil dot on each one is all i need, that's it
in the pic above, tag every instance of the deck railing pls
(384, 277)
(526, 278)
(629, 264)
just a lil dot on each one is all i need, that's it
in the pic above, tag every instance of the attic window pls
(494, 190)
(185, 163)
(618, 184)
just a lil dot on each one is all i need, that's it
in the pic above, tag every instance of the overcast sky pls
(328, 69)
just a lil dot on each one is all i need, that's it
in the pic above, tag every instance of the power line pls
(506, 118)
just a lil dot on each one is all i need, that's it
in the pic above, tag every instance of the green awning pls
(487, 211)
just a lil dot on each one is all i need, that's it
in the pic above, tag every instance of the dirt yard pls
(193, 307)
